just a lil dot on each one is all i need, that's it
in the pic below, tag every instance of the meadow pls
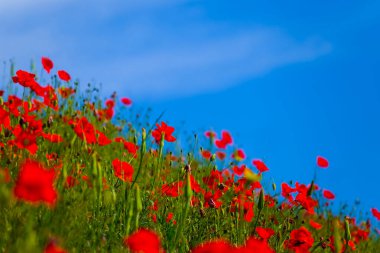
(83, 174)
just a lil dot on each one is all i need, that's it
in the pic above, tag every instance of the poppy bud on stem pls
(142, 153)
(260, 207)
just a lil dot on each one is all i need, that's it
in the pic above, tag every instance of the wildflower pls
(328, 194)
(220, 246)
(265, 233)
(126, 101)
(315, 225)
(85, 130)
(300, 240)
(47, 64)
(65, 92)
(64, 75)
(238, 155)
(163, 130)
(375, 213)
(226, 140)
(322, 162)
(239, 170)
(143, 241)
(35, 184)
(122, 170)
(206, 154)
(255, 245)
(172, 190)
(260, 165)
(220, 155)
(52, 247)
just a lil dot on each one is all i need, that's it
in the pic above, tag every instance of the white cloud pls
(144, 54)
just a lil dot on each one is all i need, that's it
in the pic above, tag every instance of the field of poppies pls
(80, 174)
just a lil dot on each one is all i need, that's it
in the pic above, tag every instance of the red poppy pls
(239, 170)
(34, 184)
(143, 241)
(220, 246)
(126, 101)
(265, 233)
(163, 130)
(315, 225)
(122, 170)
(170, 217)
(260, 165)
(256, 245)
(220, 155)
(300, 240)
(238, 155)
(322, 162)
(84, 129)
(47, 64)
(102, 139)
(210, 134)
(55, 138)
(52, 247)
(64, 75)
(375, 213)
(65, 92)
(25, 139)
(226, 140)
(206, 154)
(172, 190)
(328, 194)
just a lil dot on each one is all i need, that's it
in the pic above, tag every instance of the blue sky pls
(290, 80)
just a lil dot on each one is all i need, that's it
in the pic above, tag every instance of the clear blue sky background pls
(290, 79)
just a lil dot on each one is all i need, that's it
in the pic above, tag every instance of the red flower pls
(172, 190)
(264, 233)
(260, 165)
(300, 240)
(65, 92)
(206, 154)
(55, 138)
(238, 155)
(375, 213)
(122, 170)
(52, 247)
(163, 130)
(256, 245)
(143, 241)
(126, 101)
(315, 225)
(47, 64)
(102, 139)
(218, 246)
(328, 194)
(322, 162)
(220, 155)
(210, 134)
(239, 170)
(85, 130)
(25, 139)
(226, 140)
(64, 75)
(35, 184)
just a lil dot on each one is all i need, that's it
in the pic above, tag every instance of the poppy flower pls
(315, 225)
(375, 213)
(328, 194)
(239, 170)
(238, 155)
(260, 165)
(47, 64)
(126, 101)
(122, 170)
(64, 76)
(226, 140)
(34, 184)
(55, 138)
(322, 162)
(24, 139)
(264, 233)
(220, 246)
(206, 154)
(85, 130)
(172, 190)
(220, 155)
(143, 241)
(163, 130)
(52, 247)
(255, 245)
(102, 139)
(300, 240)
(210, 134)
(65, 92)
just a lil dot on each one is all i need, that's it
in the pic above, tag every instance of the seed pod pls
(260, 205)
